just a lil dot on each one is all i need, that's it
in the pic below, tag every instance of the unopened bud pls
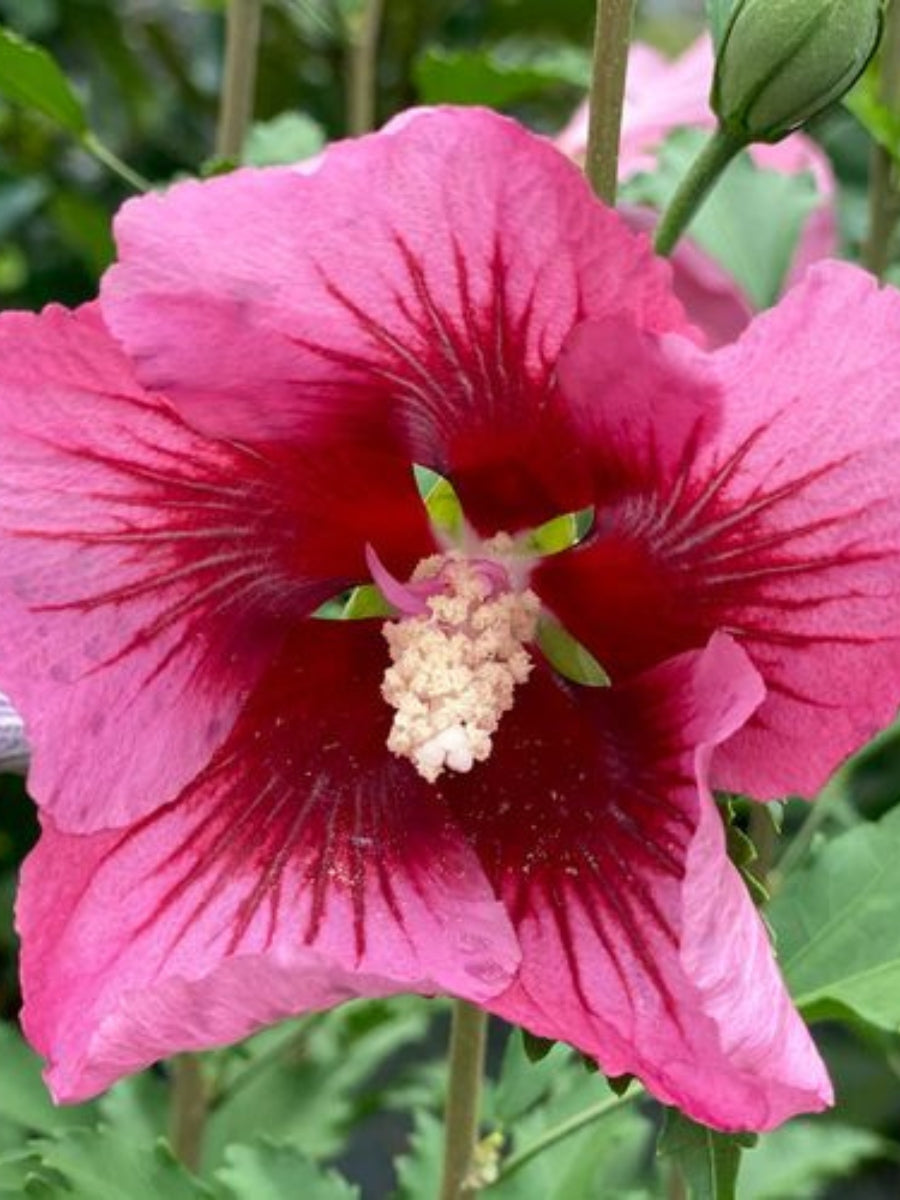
(783, 61)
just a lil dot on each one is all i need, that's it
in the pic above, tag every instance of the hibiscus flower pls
(663, 95)
(250, 810)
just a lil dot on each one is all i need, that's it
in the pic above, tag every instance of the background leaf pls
(29, 76)
(837, 929)
(501, 75)
(707, 1161)
(25, 1104)
(750, 224)
(878, 119)
(794, 1162)
(288, 138)
(268, 1171)
(95, 1164)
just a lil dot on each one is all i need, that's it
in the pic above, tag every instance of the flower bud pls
(783, 61)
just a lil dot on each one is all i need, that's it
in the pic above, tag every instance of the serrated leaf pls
(137, 1107)
(524, 1079)
(708, 1161)
(266, 1170)
(29, 76)
(752, 221)
(419, 1169)
(838, 930)
(15, 1171)
(95, 1162)
(500, 75)
(305, 1081)
(795, 1161)
(24, 1100)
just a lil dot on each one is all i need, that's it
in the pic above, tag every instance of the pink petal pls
(812, 425)
(438, 265)
(781, 525)
(640, 943)
(304, 867)
(149, 573)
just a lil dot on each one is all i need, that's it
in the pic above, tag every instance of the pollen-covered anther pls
(456, 666)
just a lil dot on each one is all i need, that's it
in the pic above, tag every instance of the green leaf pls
(137, 1108)
(419, 1170)
(795, 1161)
(267, 1170)
(95, 1162)
(879, 120)
(24, 1100)
(86, 227)
(525, 1080)
(837, 927)
(750, 224)
(588, 1141)
(29, 76)
(708, 1161)
(307, 1081)
(16, 1170)
(501, 75)
(288, 138)
(743, 854)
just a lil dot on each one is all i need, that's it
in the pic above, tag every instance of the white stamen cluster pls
(455, 668)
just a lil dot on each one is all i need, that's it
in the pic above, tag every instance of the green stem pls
(612, 35)
(676, 1188)
(189, 1110)
(884, 193)
(239, 80)
(566, 1129)
(467, 1045)
(362, 68)
(104, 155)
(694, 188)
